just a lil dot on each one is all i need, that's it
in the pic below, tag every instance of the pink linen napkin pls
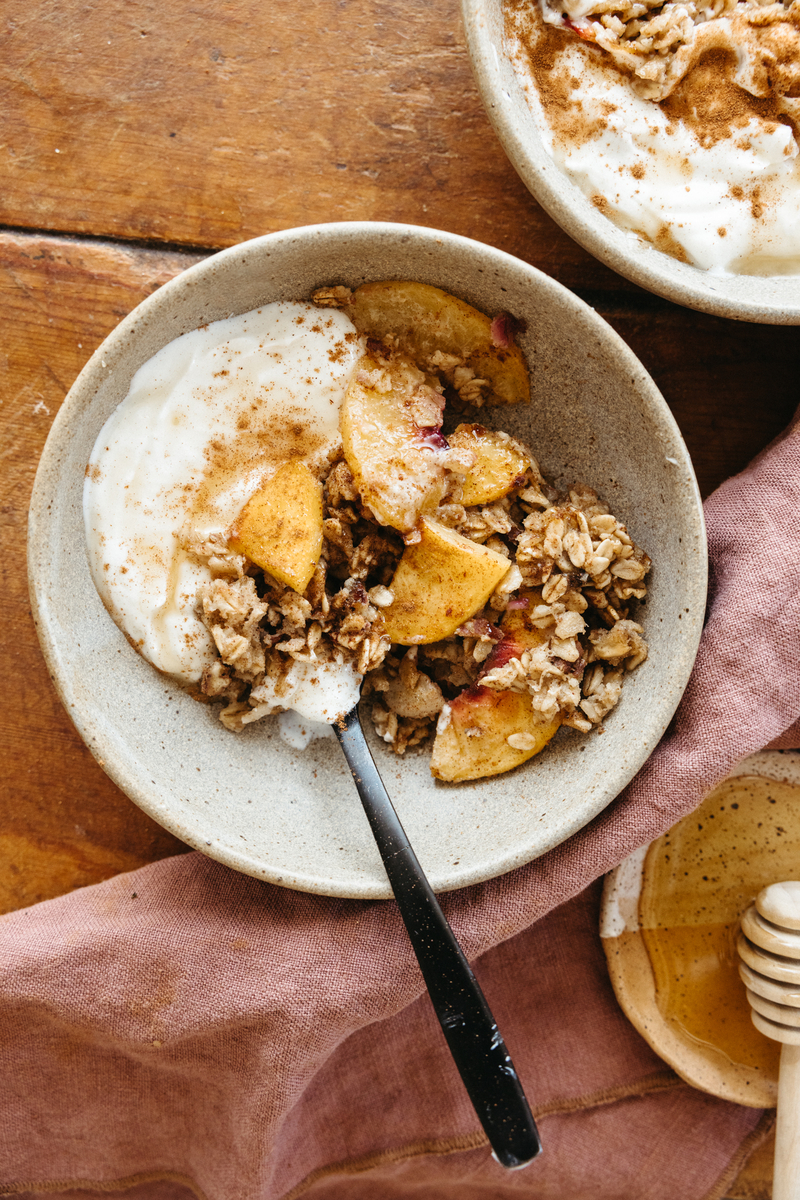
(183, 1029)
(193, 1027)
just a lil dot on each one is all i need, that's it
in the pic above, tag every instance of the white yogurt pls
(207, 421)
(729, 208)
(318, 691)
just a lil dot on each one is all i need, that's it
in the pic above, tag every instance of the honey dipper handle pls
(770, 946)
(470, 1030)
(786, 1185)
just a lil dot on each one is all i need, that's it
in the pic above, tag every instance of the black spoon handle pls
(467, 1023)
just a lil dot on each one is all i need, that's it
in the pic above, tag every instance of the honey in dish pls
(698, 880)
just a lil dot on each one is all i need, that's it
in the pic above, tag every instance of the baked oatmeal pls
(439, 572)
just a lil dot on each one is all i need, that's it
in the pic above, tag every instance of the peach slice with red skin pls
(390, 423)
(420, 320)
(441, 581)
(474, 744)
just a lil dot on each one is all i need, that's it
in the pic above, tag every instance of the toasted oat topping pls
(587, 568)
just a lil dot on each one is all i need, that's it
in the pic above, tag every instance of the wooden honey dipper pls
(769, 947)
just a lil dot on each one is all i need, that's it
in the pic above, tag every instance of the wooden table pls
(138, 136)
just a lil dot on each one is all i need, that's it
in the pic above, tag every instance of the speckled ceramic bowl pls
(773, 301)
(293, 817)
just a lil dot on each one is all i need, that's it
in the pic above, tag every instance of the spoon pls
(470, 1029)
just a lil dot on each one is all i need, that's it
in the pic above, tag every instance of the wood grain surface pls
(138, 135)
(63, 823)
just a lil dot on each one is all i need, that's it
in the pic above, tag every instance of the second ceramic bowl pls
(291, 816)
(774, 300)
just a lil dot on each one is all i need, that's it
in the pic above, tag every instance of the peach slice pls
(501, 466)
(280, 527)
(475, 742)
(441, 581)
(390, 422)
(420, 320)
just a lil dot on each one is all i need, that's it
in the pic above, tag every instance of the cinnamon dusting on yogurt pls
(689, 143)
(710, 103)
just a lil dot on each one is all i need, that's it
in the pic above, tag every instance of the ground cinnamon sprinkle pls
(555, 80)
(707, 99)
(712, 105)
(667, 243)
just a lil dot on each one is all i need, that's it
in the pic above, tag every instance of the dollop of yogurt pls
(318, 691)
(206, 422)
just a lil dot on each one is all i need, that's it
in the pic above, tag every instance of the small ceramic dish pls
(670, 921)
(771, 300)
(292, 817)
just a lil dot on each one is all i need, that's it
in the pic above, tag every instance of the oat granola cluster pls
(660, 42)
(574, 572)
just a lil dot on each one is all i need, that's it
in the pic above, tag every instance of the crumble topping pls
(659, 43)
(583, 559)
(347, 545)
